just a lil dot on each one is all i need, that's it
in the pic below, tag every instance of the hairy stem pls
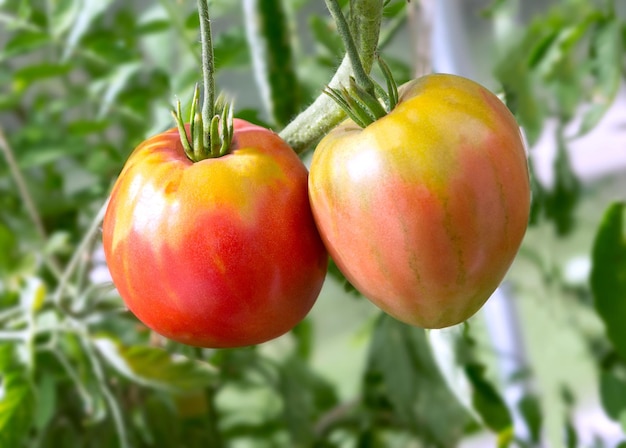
(360, 75)
(208, 71)
(324, 114)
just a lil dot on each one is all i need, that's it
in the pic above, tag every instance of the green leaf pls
(27, 75)
(539, 195)
(519, 94)
(8, 250)
(530, 409)
(613, 394)
(62, 15)
(297, 409)
(110, 88)
(455, 352)
(269, 39)
(608, 275)
(334, 272)
(24, 42)
(153, 26)
(304, 336)
(17, 401)
(230, 49)
(402, 377)
(305, 396)
(48, 153)
(606, 67)
(447, 346)
(47, 402)
(155, 367)
(559, 45)
(88, 12)
(571, 436)
(488, 402)
(562, 201)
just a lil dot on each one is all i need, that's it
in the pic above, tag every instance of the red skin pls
(424, 210)
(219, 253)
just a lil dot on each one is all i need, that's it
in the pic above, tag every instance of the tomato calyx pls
(362, 106)
(220, 130)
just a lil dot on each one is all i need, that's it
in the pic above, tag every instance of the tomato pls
(425, 209)
(219, 253)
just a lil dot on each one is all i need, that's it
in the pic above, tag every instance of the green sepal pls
(363, 107)
(355, 115)
(392, 86)
(220, 129)
(195, 101)
(371, 103)
(184, 140)
(197, 138)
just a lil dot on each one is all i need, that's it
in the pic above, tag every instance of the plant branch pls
(27, 198)
(91, 233)
(29, 203)
(116, 412)
(324, 114)
(337, 415)
(76, 381)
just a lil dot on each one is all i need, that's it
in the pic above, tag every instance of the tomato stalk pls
(362, 78)
(210, 133)
(363, 100)
(324, 114)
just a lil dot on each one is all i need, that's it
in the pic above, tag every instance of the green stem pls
(109, 398)
(92, 232)
(27, 199)
(362, 78)
(324, 114)
(210, 392)
(208, 71)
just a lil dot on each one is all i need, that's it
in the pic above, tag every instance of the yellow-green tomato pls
(424, 210)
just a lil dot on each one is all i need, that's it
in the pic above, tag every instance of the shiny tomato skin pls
(425, 209)
(219, 253)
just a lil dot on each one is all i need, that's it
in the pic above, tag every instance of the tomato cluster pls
(422, 210)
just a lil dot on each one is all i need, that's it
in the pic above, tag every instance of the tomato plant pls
(424, 209)
(218, 253)
(85, 82)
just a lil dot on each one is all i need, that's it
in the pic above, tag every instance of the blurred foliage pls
(83, 82)
(569, 58)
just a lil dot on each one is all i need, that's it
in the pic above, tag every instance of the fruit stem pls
(362, 78)
(211, 129)
(208, 72)
(324, 113)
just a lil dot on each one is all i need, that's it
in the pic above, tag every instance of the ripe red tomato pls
(425, 209)
(219, 253)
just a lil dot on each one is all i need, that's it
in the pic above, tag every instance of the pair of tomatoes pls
(423, 211)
